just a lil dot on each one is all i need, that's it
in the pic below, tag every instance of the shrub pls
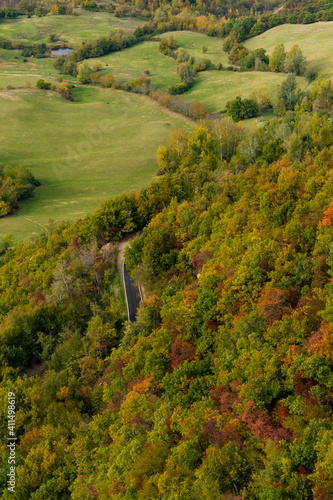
(239, 109)
(167, 46)
(41, 84)
(179, 88)
(204, 65)
(107, 81)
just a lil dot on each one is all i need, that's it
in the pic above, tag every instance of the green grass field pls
(212, 88)
(193, 43)
(105, 142)
(215, 88)
(70, 29)
(315, 40)
(132, 62)
(82, 152)
(15, 72)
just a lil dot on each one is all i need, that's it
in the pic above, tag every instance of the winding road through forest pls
(132, 291)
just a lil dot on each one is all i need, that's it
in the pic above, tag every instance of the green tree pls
(238, 53)
(287, 92)
(239, 109)
(250, 147)
(41, 84)
(27, 6)
(182, 55)
(229, 134)
(84, 72)
(186, 72)
(255, 60)
(322, 95)
(258, 28)
(276, 61)
(230, 41)
(250, 108)
(234, 109)
(66, 91)
(295, 61)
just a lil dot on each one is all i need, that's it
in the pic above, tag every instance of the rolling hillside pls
(83, 153)
(315, 40)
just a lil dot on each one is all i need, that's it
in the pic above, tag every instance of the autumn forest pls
(222, 389)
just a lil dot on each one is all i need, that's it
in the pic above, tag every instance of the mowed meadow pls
(83, 152)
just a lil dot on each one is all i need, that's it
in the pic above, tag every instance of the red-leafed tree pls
(261, 424)
(273, 304)
(180, 351)
(200, 259)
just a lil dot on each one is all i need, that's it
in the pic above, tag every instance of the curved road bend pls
(132, 294)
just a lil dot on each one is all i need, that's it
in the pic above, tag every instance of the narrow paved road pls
(132, 294)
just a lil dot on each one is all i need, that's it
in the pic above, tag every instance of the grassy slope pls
(215, 88)
(38, 128)
(193, 43)
(15, 72)
(127, 64)
(315, 41)
(79, 164)
(71, 29)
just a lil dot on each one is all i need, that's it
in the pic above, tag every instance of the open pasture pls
(134, 61)
(105, 142)
(215, 88)
(83, 152)
(193, 43)
(70, 29)
(17, 73)
(315, 40)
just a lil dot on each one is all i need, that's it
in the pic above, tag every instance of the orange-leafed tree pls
(328, 216)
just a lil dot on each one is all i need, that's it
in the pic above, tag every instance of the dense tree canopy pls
(222, 388)
(223, 384)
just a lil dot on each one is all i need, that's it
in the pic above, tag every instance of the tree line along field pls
(71, 29)
(37, 127)
(315, 40)
(129, 63)
(214, 89)
(82, 152)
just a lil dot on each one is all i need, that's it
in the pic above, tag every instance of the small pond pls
(61, 51)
